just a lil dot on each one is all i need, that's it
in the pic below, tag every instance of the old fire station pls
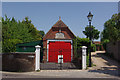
(58, 44)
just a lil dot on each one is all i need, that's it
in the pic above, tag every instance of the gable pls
(59, 23)
(54, 33)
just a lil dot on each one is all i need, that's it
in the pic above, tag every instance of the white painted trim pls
(47, 49)
(52, 40)
(59, 40)
(71, 51)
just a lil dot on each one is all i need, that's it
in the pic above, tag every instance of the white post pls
(37, 57)
(84, 57)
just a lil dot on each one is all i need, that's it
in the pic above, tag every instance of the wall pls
(114, 50)
(19, 61)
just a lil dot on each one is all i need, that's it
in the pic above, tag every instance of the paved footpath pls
(104, 64)
(103, 69)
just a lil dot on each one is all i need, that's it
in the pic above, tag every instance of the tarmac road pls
(57, 74)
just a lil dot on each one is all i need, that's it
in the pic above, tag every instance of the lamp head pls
(90, 16)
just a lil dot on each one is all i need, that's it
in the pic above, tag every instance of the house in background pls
(58, 44)
(99, 46)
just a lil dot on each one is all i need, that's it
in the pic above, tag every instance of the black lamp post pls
(90, 16)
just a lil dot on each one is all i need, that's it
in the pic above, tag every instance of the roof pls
(96, 42)
(59, 23)
(34, 43)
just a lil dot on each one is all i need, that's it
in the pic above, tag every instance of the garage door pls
(57, 49)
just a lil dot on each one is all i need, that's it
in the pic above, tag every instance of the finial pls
(59, 17)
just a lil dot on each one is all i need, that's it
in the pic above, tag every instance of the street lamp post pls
(90, 16)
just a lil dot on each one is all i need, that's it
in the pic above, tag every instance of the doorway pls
(60, 58)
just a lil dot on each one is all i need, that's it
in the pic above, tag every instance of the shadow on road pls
(111, 68)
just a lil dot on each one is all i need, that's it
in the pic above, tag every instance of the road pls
(57, 74)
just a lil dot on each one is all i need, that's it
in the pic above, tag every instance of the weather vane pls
(59, 17)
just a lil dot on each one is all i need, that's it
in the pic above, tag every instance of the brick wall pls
(51, 33)
(19, 62)
(114, 50)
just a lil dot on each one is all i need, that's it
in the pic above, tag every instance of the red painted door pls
(59, 48)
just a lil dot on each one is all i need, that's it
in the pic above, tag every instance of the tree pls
(111, 30)
(14, 32)
(42, 33)
(93, 33)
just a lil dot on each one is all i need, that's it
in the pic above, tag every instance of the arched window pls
(59, 35)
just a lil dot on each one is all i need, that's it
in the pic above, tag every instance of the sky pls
(119, 7)
(74, 14)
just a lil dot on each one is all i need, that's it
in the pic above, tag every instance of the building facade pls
(58, 44)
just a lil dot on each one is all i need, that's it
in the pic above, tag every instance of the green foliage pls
(93, 47)
(9, 45)
(82, 41)
(91, 32)
(87, 60)
(78, 43)
(14, 32)
(38, 70)
(42, 33)
(104, 43)
(75, 47)
(111, 30)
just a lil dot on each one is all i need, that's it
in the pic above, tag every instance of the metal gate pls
(60, 56)
(76, 63)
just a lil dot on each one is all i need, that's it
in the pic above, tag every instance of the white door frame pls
(53, 40)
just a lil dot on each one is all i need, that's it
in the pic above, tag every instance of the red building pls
(99, 46)
(58, 44)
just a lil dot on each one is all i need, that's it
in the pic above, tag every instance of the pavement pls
(104, 64)
(104, 68)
